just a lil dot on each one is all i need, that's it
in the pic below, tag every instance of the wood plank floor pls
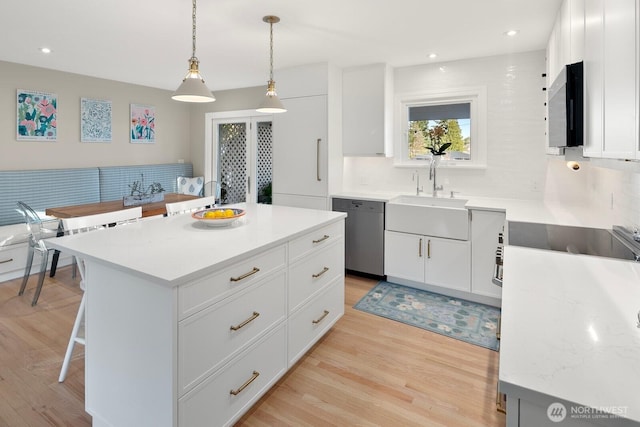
(367, 371)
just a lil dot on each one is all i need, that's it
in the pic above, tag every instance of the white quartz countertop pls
(539, 211)
(173, 250)
(569, 328)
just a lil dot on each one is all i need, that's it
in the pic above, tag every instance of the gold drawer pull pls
(321, 318)
(501, 401)
(324, 270)
(255, 375)
(429, 248)
(245, 275)
(246, 322)
(420, 248)
(325, 237)
(499, 327)
(6, 261)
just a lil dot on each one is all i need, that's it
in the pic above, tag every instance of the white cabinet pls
(428, 260)
(485, 227)
(367, 93)
(611, 85)
(307, 139)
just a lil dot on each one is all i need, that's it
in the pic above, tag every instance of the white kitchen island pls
(188, 325)
(570, 337)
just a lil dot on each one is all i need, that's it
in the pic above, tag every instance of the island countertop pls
(569, 329)
(174, 250)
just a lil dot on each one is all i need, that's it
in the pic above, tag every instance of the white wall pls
(516, 163)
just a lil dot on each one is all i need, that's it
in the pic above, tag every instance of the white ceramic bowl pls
(217, 222)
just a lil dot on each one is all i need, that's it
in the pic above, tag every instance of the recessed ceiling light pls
(511, 33)
(433, 55)
(45, 50)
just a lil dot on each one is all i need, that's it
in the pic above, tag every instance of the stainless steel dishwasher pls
(364, 240)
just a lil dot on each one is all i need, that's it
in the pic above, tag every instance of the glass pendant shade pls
(271, 103)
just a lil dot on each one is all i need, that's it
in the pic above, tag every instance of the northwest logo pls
(556, 412)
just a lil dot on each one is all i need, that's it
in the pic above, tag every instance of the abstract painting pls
(143, 124)
(95, 120)
(37, 114)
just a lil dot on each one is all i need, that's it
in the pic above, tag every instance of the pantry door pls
(239, 156)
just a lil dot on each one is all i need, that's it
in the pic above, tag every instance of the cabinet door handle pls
(253, 317)
(245, 275)
(318, 159)
(325, 237)
(420, 248)
(429, 248)
(321, 318)
(237, 391)
(6, 261)
(316, 275)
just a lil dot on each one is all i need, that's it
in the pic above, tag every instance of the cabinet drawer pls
(212, 403)
(315, 240)
(311, 322)
(309, 275)
(13, 258)
(206, 340)
(197, 295)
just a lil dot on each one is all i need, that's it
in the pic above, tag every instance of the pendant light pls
(271, 103)
(193, 88)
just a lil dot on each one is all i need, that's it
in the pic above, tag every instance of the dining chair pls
(190, 205)
(83, 224)
(37, 235)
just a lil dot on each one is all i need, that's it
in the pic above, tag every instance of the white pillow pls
(191, 186)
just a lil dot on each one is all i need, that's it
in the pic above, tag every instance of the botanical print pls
(36, 115)
(143, 124)
(95, 120)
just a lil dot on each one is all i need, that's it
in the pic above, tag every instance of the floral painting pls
(37, 114)
(143, 124)
(95, 120)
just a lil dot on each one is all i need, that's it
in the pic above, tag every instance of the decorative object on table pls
(271, 103)
(140, 195)
(37, 114)
(192, 88)
(143, 124)
(192, 186)
(467, 321)
(95, 120)
(218, 217)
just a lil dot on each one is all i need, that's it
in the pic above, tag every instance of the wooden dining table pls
(148, 209)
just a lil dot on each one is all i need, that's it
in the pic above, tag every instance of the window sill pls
(443, 165)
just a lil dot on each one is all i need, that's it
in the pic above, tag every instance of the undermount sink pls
(429, 201)
(429, 216)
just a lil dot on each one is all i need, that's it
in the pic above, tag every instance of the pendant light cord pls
(193, 30)
(270, 50)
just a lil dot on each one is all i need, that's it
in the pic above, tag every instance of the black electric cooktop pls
(576, 240)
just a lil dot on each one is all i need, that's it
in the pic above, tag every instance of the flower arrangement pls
(141, 195)
(436, 135)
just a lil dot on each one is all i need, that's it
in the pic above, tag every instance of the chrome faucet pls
(416, 178)
(432, 176)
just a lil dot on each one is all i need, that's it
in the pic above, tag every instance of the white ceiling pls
(148, 42)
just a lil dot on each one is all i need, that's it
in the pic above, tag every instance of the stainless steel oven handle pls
(497, 275)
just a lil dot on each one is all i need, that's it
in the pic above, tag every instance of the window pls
(429, 121)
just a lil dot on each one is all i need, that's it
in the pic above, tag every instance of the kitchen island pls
(189, 325)
(569, 337)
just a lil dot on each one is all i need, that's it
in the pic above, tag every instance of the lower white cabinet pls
(13, 259)
(429, 260)
(485, 227)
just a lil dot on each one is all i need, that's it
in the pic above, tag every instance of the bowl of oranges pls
(217, 217)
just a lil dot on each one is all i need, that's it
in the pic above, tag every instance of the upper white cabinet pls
(307, 149)
(603, 34)
(367, 120)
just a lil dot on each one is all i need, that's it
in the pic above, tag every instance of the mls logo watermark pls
(556, 412)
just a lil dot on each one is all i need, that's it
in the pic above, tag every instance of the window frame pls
(475, 96)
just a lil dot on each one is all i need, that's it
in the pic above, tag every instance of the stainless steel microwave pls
(566, 108)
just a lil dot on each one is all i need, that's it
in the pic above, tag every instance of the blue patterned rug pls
(456, 318)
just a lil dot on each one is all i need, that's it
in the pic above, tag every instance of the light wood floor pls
(367, 371)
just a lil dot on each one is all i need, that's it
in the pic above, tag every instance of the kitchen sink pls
(429, 216)
(429, 201)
